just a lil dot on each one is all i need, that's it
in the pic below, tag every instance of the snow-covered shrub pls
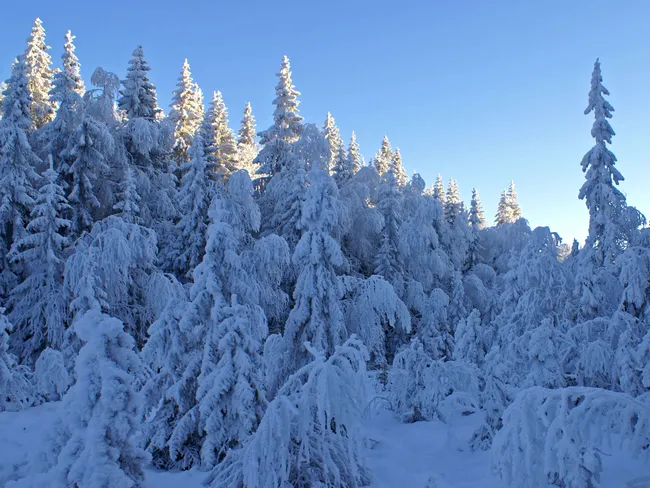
(51, 376)
(16, 389)
(419, 385)
(554, 436)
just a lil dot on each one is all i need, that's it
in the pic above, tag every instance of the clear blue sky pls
(482, 91)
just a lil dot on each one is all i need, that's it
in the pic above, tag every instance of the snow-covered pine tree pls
(102, 411)
(439, 189)
(317, 315)
(51, 376)
(400, 172)
(611, 221)
(512, 201)
(334, 141)
(476, 215)
(287, 125)
(309, 435)
(15, 379)
(88, 152)
(384, 157)
(467, 338)
(38, 308)
(186, 114)
(138, 97)
(17, 169)
(67, 91)
(195, 194)
(3, 87)
(453, 205)
(39, 72)
(247, 147)
(355, 160)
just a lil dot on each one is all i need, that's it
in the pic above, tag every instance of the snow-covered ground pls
(400, 455)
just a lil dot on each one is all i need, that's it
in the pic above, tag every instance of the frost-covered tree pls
(95, 445)
(512, 200)
(400, 172)
(38, 308)
(17, 167)
(309, 435)
(67, 91)
(138, 97)
(384, 157)
(3, 87)
(287, 124)
(342, 169)
(247, 147)
(88, 152)
(15, 379)
(186, 114)
(476, 215)
(389, 260)
(508, 210)
(334, 141)
(611, 222)
(317, 316)
(467, 339)
(355, 160)
(453, 205)
(39, 72)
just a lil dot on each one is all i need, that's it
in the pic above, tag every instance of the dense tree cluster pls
(200, 297)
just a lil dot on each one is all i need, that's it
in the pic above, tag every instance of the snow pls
(398, 455)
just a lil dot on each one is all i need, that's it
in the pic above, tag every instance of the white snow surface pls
(399, 455)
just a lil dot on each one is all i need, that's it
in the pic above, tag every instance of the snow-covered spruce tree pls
(67, 91)
(15, 379)
(128, 203)
(611, 224)
(3, 87)
(138, 96)
(512, 201)
(334, 141)
(231, 384)
(384, 157)
(218, 277)
(317, 316)
(17, 169)
(219, 139)
(96, 445)
(355, 160)
(468, 345)
(309, 435)
(286, 129)
(342, 169)
(504, 212)
(196, 192)
(371, 309)
(400, 172)
(186, 114)
(38, 308)
(88, 152)
(100, 101)
(453, 205)
(38, 69)
(247, 147)
(389, 261)
(439, 190)
(476, 215)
